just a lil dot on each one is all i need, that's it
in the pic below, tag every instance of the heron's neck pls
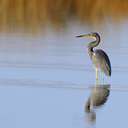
(93, 44)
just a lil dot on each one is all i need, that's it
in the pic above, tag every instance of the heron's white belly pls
(96, 68)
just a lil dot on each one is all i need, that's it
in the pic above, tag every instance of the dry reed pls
(34, 15)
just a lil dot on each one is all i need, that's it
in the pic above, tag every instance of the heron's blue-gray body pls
(101, 61)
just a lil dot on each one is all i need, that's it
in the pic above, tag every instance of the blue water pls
(46, 79)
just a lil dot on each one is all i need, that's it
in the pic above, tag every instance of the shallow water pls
(46, 79)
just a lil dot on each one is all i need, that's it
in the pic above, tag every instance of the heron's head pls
(95, 35)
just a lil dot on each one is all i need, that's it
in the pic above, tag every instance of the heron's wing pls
(102, 56)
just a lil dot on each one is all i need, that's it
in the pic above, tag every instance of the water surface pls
(46, 76)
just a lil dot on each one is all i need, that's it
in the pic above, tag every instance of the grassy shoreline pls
(33, 15)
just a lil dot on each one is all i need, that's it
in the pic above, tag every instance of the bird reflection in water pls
(97, 98)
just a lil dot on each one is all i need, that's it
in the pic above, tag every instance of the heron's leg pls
(96, 75)
(96, 79)
(102, 79)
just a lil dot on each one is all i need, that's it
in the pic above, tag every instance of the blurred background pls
(37, 15)
(46, 75)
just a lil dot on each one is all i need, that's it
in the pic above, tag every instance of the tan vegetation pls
(33, 15)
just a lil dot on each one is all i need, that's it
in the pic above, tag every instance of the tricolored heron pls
(99, 58)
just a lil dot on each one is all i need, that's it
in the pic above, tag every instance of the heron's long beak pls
(85, 35)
